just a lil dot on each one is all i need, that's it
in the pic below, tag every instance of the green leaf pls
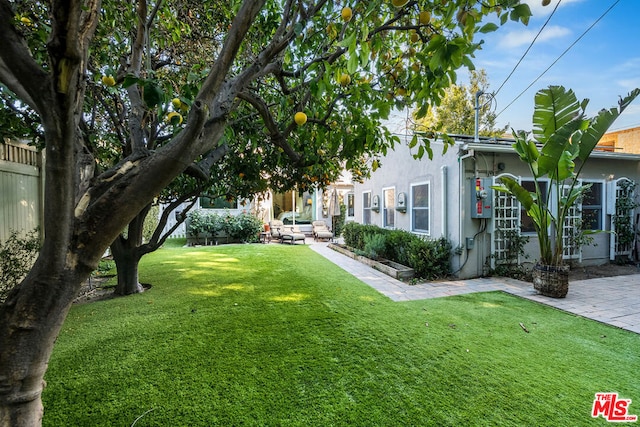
(152, 95)
(488, 28)
(511, 186)
(429, 150)
(554, 108)
(414, 141)
(352, 64)
(129, 80)
(599, 125)
(347, 41)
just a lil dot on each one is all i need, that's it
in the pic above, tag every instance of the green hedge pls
(210, 225)
(430, 258)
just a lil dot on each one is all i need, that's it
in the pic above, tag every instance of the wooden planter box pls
(390, 268)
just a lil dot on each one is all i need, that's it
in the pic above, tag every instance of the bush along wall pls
(212, 228)
(430, 258)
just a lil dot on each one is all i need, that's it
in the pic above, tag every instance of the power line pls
(528, 48)
(561, 55)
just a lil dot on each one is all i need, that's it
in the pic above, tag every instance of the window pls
(420, 208)
(351, 208)
(366, 207)
(526, 223)
(218, 203)
(388, 207)
(592, 207)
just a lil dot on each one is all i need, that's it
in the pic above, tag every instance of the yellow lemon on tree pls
(399, 3)
(26, 21)
(345, 79)
(424, 18)
(346, 14)
(300, 118)
(176, 103)
(108, 80)
(173, 115)
(414, 37)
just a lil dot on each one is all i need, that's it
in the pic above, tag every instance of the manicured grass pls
(277, 335)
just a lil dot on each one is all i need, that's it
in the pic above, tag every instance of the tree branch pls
(18, 70)
(278, 138)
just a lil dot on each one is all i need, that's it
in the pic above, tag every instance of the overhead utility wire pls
(528, 49)
(559, 57)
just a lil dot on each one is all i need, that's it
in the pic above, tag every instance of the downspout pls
(443, 191)
(461, 205)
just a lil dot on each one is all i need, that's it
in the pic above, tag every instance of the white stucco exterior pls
(449, 181)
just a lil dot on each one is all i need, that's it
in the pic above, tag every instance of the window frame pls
(388, 211)
(235, 204)
(366, 208)
(523, 213)
(413, 208)
(600, 207)
(351, 205)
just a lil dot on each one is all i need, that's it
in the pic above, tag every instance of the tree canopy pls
(94, 84)
(456, 112)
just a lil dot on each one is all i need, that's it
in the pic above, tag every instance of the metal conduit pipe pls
(443, 191)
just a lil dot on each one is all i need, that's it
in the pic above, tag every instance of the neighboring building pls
(622, 141)
(437, 198)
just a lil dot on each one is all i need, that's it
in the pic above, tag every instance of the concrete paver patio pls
(611, 300)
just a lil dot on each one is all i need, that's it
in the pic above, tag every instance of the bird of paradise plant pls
(557, 149)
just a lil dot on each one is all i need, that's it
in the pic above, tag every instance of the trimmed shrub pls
(237, 228)
(428, 257)
(374, 245)
(17, 256)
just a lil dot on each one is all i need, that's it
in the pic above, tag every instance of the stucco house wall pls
(451, 179)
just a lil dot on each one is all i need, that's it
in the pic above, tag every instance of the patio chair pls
(321, 231)
(291, 234)
(275, 228)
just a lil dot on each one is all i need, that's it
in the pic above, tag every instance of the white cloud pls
(525, 37)
(539, 11)
(629, 84)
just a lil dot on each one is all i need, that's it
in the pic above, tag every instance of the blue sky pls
(603, 65)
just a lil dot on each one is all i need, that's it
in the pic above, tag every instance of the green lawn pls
(276, 335)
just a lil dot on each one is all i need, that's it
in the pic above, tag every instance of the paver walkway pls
(612, 300)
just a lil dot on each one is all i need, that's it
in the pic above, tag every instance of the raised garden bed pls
(390, 268)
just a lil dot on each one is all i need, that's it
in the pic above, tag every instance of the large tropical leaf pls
(527, 150)
(554, 108)
(557, 151)
(511, 186)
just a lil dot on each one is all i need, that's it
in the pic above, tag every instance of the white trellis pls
(618, 191)
(506, 223)
(571, 226)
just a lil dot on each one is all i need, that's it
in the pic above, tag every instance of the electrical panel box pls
(481, 198)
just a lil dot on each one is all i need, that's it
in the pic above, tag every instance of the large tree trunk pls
(81, 221)
(31, 320)
(127, 252)
(127, 259)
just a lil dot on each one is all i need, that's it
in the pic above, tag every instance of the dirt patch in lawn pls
(605, 270)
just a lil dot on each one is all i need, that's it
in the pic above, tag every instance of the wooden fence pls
(21, 188)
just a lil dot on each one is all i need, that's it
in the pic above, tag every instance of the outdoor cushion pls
(276, 227)
(321, 231)
(291, 235)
